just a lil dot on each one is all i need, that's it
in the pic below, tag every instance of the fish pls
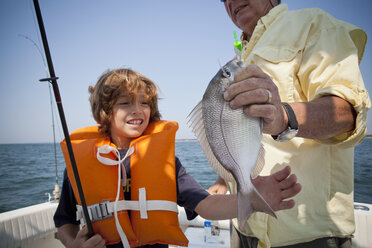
(231, 141)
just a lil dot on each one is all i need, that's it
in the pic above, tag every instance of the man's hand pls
(256, 93)
(322, 118)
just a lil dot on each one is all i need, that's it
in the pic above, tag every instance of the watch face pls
(287, 135)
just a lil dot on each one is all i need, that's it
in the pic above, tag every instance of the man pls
(302, 77)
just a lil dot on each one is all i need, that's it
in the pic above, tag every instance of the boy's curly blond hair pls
(111, 85)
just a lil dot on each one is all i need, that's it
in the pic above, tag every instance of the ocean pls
(27, 171)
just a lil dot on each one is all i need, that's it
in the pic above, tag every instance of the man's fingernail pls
(226, 95)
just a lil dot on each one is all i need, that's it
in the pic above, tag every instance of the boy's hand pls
(278, 187)
(82, 240)
(219, 187)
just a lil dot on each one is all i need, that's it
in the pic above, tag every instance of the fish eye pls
(226, 72)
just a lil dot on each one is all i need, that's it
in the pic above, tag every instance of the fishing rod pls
(53, 80)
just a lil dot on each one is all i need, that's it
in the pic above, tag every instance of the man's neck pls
(246, 37)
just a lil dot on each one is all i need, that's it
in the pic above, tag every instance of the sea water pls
(27, 171)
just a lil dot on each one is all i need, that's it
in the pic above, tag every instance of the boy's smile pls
(135, 122)
(131, 115)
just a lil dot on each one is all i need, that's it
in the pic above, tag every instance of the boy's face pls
(131, 115)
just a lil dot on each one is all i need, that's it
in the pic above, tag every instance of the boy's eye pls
(123, 103)
(144, 103)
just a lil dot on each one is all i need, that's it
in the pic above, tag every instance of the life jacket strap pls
(106, 149)
(143, 205)
(105, 209)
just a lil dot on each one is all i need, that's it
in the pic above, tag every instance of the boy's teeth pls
(136, 122)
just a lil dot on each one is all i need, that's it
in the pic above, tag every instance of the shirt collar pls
(269, 18)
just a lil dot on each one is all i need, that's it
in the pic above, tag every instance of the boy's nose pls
(136, 108)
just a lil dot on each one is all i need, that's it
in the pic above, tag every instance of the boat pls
(33, 227)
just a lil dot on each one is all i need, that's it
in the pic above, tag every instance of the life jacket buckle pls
(96, 212)
(99, 211)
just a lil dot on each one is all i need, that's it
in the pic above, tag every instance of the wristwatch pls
(292, 129)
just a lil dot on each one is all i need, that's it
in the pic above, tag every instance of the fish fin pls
(259, 203)
(195, 113)
(257, 199)
(245, 209)
(195, 120)
(249, 202)
(259, 164)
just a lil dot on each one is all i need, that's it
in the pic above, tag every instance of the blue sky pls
(175, 43)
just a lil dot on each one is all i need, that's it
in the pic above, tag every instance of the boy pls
(125, 104)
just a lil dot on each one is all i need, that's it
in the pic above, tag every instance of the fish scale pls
(231, 141)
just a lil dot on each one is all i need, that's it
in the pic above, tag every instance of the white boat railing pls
(363, 222)
(33, 227)
(29, 227)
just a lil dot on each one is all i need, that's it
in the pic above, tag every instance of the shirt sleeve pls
(330, 66)
(189, 191)
(66, 210)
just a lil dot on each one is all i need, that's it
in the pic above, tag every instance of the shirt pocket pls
(282, 64)
(276, 54)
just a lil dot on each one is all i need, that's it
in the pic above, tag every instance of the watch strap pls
(292, 120)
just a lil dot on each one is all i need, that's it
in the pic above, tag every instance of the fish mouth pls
(236, 11)
(135, 122)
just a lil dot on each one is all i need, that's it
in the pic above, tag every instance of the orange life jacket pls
(152, 166)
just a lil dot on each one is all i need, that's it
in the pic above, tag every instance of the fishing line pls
(224, 72)
(51, 107)
(53, 80)
(38, 35)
